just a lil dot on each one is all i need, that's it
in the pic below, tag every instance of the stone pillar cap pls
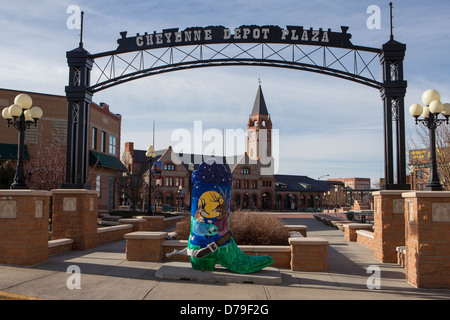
(146, 235)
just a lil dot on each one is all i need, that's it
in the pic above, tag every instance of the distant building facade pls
(255, 187)
(419, 166)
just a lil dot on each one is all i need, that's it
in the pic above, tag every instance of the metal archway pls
(320, 51)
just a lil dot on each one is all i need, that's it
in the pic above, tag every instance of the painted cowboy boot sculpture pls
(210, 239)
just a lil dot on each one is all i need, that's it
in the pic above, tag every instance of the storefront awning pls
(104, 160)
(9, 152)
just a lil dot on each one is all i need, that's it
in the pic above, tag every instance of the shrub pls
(249, 228)
(183, 228)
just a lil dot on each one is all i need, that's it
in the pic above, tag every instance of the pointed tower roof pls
(259, 107)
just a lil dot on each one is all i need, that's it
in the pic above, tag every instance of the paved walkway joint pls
(184, 271)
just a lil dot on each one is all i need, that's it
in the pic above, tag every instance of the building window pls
(245, 171)
(32, 135)
(169, 199)
(94, 138)
(103, 145)
(245, 184)
(179, 182)
(169, 182)
(169, 167)
(253, 184)
(59, 131)
(237, 184)
(112, 144)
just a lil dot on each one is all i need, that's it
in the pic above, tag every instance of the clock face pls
(252, 134)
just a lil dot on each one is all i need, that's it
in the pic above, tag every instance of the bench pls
(401, 255)
(340, 224)
(302, 254)
(152, 223)
(59, 246)
(366, 238)
(107, 217)
(298, 228)
(137, 223)
(113, 233)
(351, 228)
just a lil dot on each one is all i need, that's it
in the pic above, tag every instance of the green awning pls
(104, 160)
(9, 152)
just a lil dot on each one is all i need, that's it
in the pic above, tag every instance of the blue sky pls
(326, 125)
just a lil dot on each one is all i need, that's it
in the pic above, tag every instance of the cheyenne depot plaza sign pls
(220, 34)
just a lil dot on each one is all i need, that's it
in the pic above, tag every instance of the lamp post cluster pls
(21, 115)
(430, 118)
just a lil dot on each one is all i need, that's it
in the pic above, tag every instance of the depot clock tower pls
(259, 130)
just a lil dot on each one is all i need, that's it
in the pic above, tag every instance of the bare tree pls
(47, 167)
(132, 183)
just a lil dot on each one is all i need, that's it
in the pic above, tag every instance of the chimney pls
(104, 106)
(129, 147)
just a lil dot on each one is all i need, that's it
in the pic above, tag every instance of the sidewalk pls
(107, 275)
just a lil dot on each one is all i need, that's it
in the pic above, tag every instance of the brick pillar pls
(74, 216)
(427, 220)
(24, 226)
(145, 246)
(309, 254)
(389, 224)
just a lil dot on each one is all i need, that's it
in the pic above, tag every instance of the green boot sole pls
(232, 258)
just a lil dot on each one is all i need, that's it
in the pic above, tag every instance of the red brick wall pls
(74, 216)
(427, 239)
(24, 233)
(309, 254)
(389, 225)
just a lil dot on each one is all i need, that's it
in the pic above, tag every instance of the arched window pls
(237, 201)
(254, 203)
(245, 202)
(169, 199)
(169, 181)
(159, 198)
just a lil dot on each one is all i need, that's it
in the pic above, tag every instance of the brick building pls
(48, 141)
(355, 189)
(419, 167)
(255, 186)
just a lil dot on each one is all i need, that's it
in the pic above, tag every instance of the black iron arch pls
(332, 53)
(319, 51)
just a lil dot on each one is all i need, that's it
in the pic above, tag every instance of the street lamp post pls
(150, 155)
(21, 116)
(430, 114)
(318, 187)
(191, 169)
(180, 197)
